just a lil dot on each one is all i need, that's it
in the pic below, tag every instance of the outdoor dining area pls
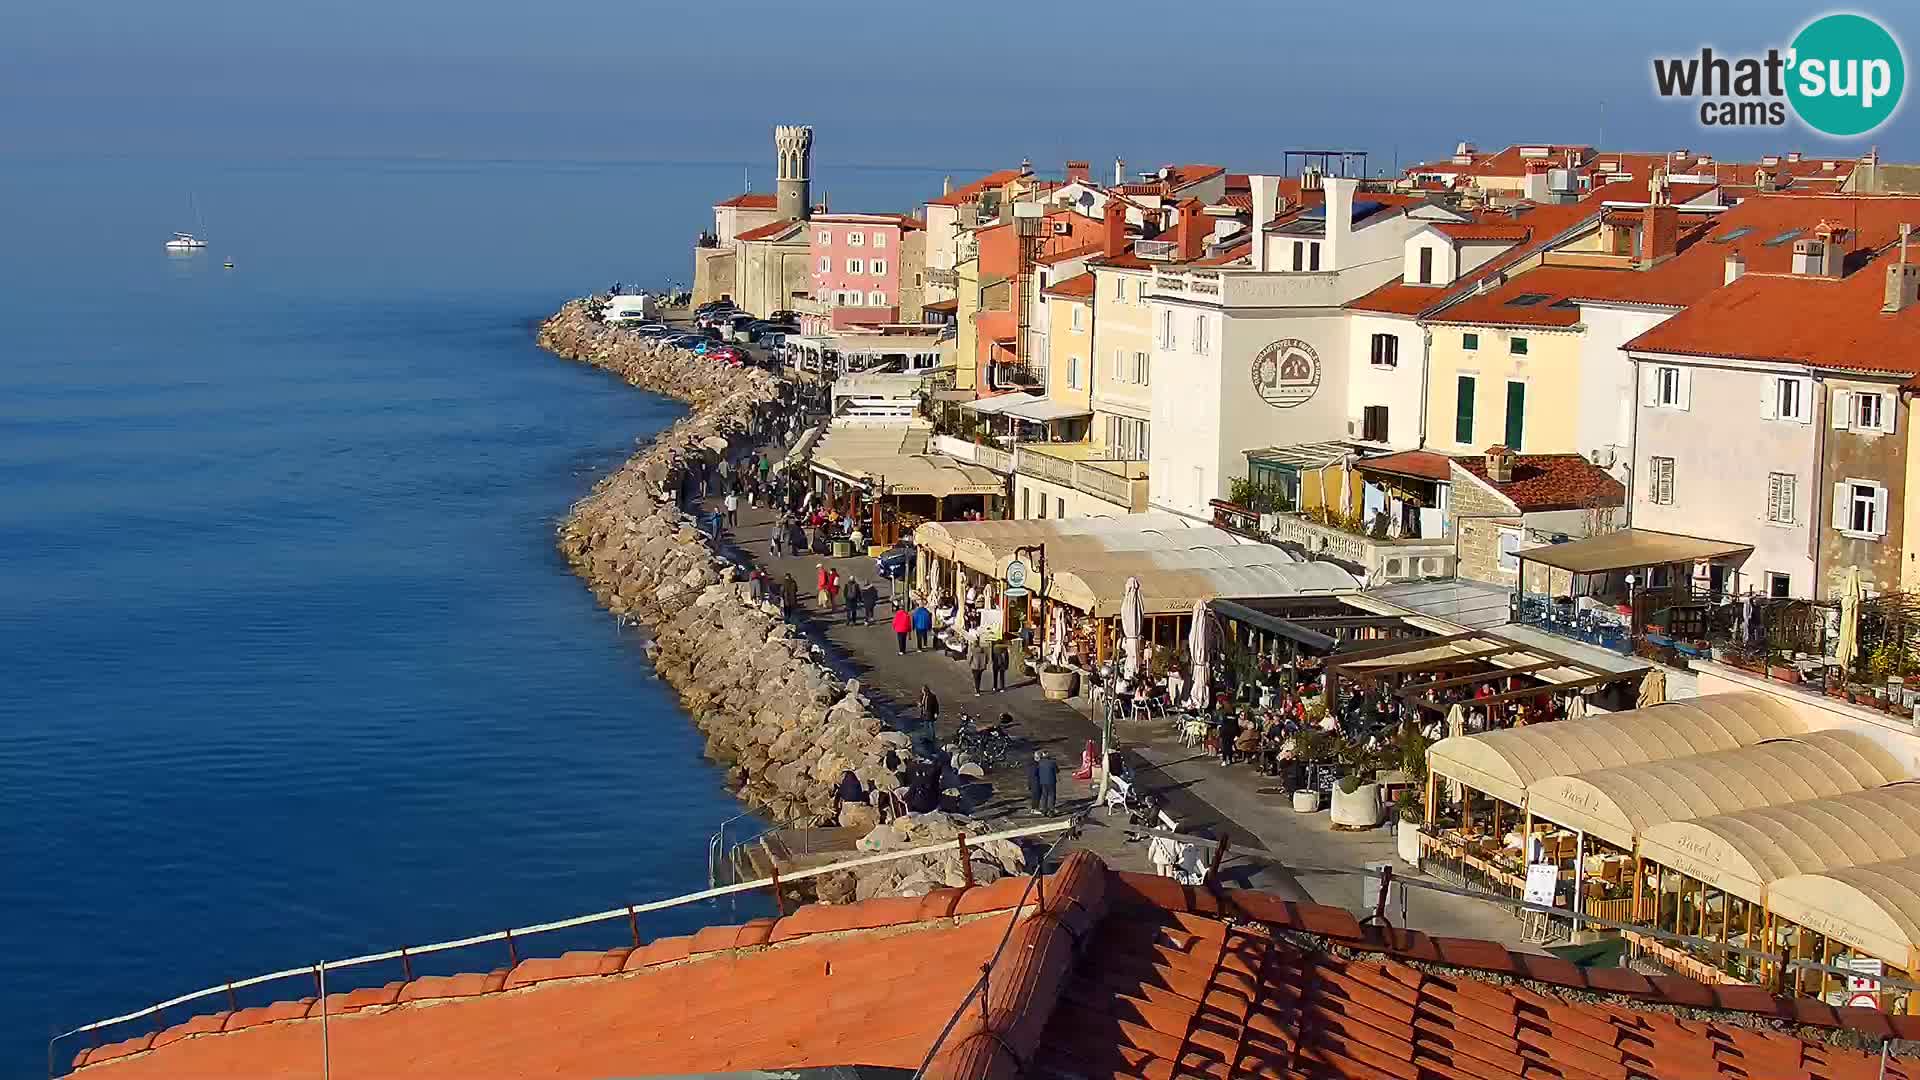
(1723, 821)
(1676, 593)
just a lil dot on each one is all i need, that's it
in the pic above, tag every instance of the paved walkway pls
(1200, 793)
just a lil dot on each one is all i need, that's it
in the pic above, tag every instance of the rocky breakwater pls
(784, 726)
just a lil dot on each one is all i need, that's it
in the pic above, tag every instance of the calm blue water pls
(289, 666)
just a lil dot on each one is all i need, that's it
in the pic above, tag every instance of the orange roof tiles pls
(968, 192)
(752, 200)
(1077, 287)
(1114, 975)
(1484, 230)
(1069, 254)
(1543, 482)
(768, 231)
(1421, 464)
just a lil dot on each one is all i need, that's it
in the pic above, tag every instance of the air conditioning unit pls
(1061, 228)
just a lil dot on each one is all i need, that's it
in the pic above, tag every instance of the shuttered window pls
(1516, 414)
(1463, 411)
(1660, 481)
(1780, 498)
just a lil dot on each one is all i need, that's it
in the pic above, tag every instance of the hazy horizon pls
(940, 87)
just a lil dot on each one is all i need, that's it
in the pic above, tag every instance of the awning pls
(1165, 592)
(993, 406)
(1503, 763)
(1743, 853)
(1317, 455)
(1273, 624)
(1618, 804)
(1041, 410)
(1411, 464)
(1873, 908)
(943, 537)
(1630, 548)
(941, 306)
(896, 454)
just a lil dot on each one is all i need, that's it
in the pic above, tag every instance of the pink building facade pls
(856, 260)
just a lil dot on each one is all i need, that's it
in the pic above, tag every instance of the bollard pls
(966, 860)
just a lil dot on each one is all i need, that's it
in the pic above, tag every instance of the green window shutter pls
(1463, 411)
(1516, 414)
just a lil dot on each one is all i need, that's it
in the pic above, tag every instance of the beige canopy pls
(1626, 549)
(1618, 804)
(1745, 852)
(896, 454)
(1503, 763)
(942, 538)
(1873, 908)
(1162, 592)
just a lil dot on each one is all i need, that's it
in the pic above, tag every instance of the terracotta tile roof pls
(941, 305)
(768, 231)
(1233, 254)
(1069, 254)
(1239, 200)
(1420, 464)
(1077, 287)
(1700, 266)
(967, 193)
(1542, 223)
(1239, 182)
(1114, 975)
(1484, 230)
(906, 221)
(752, 200)
(1544, 482)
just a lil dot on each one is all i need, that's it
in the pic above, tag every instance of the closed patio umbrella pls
(1847, 649)
(1197, 647)
(1577, 707)
(1653, 688)
(1456, 726)
(1057, 638)
(1132, 619)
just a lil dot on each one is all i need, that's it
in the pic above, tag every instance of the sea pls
(290, 669)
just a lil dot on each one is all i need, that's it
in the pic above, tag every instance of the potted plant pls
(1779, 668)
(1057, 683)
(1356, 799)
(1409, 816)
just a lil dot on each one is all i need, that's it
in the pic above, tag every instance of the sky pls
(903, 83)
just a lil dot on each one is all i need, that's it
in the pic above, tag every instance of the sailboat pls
(186, 241)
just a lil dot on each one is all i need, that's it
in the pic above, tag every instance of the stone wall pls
(1478, 518)
(780, 722)
(713, 274)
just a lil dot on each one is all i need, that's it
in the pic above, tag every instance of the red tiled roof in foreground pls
(1077, 287)
(752, 200)
(1118, 975)
(768, 231)
(1419, 464)
(1543, 482)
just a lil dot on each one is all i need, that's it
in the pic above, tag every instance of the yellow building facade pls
(1507, 385)
(1121, 360)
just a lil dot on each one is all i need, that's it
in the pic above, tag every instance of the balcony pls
(1155, 249)
(942, 279)
(981, 454)
(1380, 560)
(1247, 288)
(1085, 468)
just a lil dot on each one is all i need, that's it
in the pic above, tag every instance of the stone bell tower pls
(794, 142)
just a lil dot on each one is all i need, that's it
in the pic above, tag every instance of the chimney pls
(1793, 155)
(1499, 464)
(1660, 224)
(1534, 188)
(1113, 231)
(1338, 195)
(1119, 172)
(1763, 180)
(1078, 172)
(1026, 166)
(1190, 233)
(946, 186)
(1463, 154)
(1736, 266)
(1266, 204)
(1903, 280)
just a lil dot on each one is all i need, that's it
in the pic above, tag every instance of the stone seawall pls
(782, 724)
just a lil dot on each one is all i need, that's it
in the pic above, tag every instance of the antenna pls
(746, 179)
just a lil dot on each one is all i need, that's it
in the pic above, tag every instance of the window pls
(1140, 291)
(851, 299)
(1780, 498)
(877, 266)
(826, 238)
(1530, 299)
(1781, 238)
(1469, 342)
(1463, 411)
(1779, 586)
(1868, 412)
(1788, 397)
(1127, 438)
(879, 239)
(1166, 330)
(1200, 335)
(1313, 255)
(1120, 365)
(1667, 389)
(1373, 423)
(1299, 255)
(1119, 289)
(1660, 481)
(1142, 368)
(1060, 506)
(826, 264)
(856, 239)
(1517, 346)
(856, 266)
(1026, 505)
(876, 299)
(1076, 316)
(1860, 508)
(1426, 265)
(1073, 372)
(1516, 414)
(1386, 350)
(1043, 504)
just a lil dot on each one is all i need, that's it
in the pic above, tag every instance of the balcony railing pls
(1128, 492)
(942, 279)
(1155, 249)
(1381, 560)
(1112, 487)
(1044, 466)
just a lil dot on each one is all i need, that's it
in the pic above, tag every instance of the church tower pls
(794, 142)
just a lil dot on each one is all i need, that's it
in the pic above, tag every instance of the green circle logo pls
(1847, 76)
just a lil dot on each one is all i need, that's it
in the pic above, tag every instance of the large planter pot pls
(1783, 672)
(1306, 801)
(1360, 810)
(1408, 836)
(1057, 685)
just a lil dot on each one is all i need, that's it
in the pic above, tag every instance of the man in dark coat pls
(1043, 778)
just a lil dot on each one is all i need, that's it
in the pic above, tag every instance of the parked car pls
(735, 327)
(713, 305)
(689, 341)
(784, 317)
(653, 329)
(727, 354)
(896, 562)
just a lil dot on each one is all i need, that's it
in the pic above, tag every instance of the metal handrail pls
(608, 915)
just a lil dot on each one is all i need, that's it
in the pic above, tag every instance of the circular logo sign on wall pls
(1286, 373)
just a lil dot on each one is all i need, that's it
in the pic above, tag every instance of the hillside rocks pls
(781, 723)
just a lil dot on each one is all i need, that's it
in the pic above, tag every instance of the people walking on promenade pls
(922, 622)
(789, 597)
(1043, 778)
(822, 595)
(850, 592)
(929, 709)
(902, 623)
(732, 503)
(977, 662)
(777, 539)
(871, 594)
(1001, 660)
